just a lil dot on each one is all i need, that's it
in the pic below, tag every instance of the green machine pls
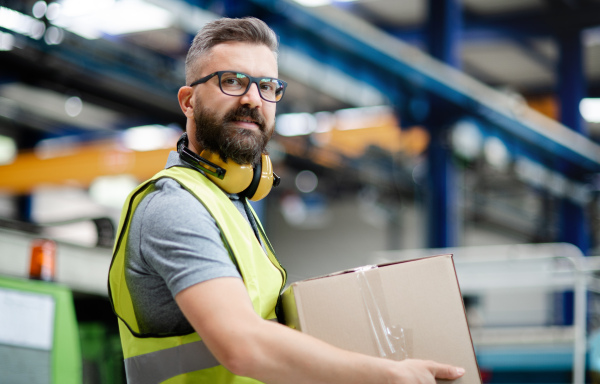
(39, 334)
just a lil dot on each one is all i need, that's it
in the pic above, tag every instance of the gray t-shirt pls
(173, 244)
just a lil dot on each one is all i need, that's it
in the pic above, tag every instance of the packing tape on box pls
(390, 338)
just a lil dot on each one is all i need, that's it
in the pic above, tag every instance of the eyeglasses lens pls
(236, 84)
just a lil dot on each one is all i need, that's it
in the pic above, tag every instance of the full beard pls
(244, 146)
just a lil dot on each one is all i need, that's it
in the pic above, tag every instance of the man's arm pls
(221, 312)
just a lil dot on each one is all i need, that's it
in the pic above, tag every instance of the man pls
(194, 280)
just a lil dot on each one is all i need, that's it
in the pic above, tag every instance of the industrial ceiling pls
(132, 77)
(83, 79)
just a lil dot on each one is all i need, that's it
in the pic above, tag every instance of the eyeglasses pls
(237, 84)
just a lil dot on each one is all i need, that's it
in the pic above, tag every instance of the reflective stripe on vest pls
(158, 358)
(156, 367)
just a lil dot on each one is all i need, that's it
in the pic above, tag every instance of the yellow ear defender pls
(254, 183)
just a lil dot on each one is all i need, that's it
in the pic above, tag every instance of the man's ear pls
(184, 96)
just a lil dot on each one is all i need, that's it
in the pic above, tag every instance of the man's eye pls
(267, 87)
(231, 81)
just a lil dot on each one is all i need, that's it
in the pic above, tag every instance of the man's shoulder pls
(167, 188)
(167, 199)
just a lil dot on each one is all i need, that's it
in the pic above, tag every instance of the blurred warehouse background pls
(409, 128)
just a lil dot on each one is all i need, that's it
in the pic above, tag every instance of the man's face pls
(236, 127)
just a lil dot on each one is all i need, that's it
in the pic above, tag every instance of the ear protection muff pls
(254, 183)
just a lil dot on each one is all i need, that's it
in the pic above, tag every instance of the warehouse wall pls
(349, 235)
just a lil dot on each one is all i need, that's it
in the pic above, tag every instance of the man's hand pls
(423, 372)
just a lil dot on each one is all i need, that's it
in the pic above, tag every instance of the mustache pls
(245, 113)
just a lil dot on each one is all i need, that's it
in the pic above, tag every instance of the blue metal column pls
(574, 226)
(444, 23)
(572, 221)
(24, 205)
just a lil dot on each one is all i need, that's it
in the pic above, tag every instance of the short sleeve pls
(181, 241)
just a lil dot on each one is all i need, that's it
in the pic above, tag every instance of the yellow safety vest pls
(183, 359)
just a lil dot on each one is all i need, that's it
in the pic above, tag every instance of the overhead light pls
(135, 16)
(363, 117)
(496, 153)
(318, 3)
(21, 23)
(54, 36)
(53, 11)
(306, 181)
(93, 18)
(590, 109)
(150, 137)
(111, 191)
(7, 41)
(39, 9)
(313, 3)
(8, 150)
(295, 124)
(73, 106)
(466, 139)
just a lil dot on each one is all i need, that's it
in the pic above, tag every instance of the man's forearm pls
(277, 354)
(247, 345)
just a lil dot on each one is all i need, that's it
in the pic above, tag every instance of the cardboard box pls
(410, 309)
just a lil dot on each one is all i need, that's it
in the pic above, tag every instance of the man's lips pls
(246, 118)
(247, 123)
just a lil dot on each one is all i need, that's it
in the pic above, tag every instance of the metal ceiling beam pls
(536, 23)
(146, 81)
(520, 27)
(80, 165)
(136, 81)
(382, 53)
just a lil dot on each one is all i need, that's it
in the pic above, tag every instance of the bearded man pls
(194, 280)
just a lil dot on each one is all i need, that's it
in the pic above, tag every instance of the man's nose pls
(252, 97)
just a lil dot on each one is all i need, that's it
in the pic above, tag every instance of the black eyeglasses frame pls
(253, 80)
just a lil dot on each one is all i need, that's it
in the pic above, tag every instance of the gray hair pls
(224, 30)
